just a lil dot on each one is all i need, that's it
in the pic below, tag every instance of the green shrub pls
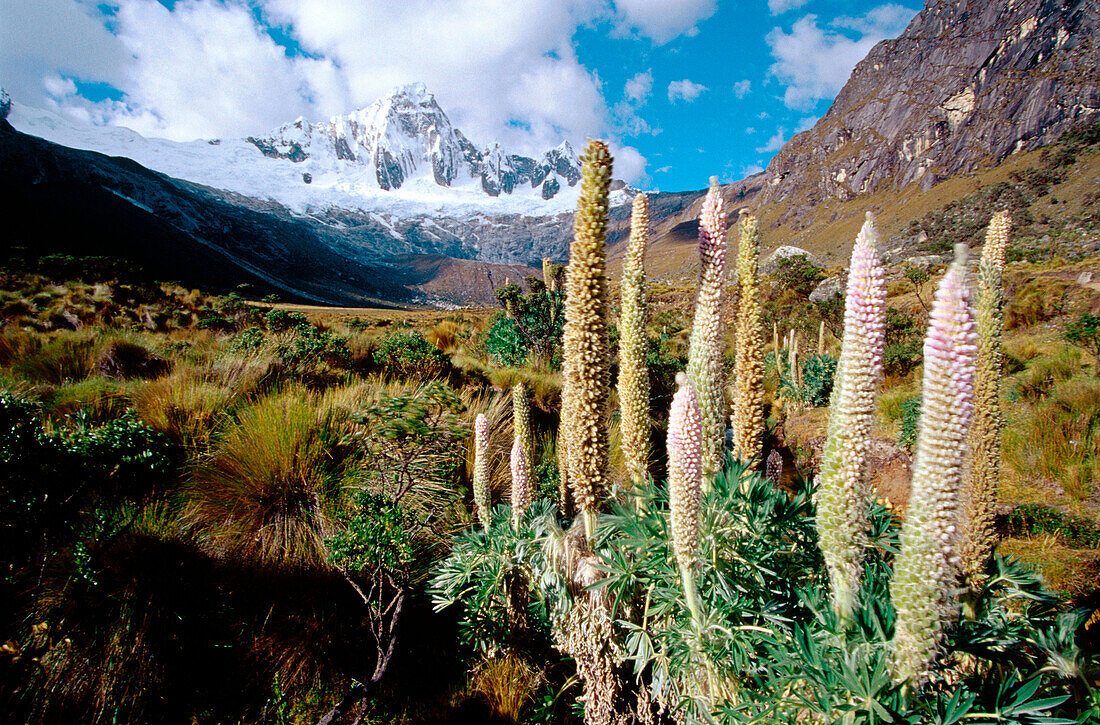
(409, 355)
(1032, 518)
(910, 420)
(504, 343)
(282, 320)
(250, 338)
(798, 274)
(309, 346)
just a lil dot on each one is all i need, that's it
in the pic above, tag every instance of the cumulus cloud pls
(42, 41)
(662, 20)
(814, 62)
(774, 143)
(684, 90)
(778, 7)
(639, 87)
(751, 169)
(742, 88)
(629, 165)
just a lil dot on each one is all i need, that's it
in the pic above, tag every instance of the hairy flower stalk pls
(748, 396)
(983, 474)
(521, 421)
(586, 367)
(521, 481)
(705, 347)
(922, 589)
(633, 343)
(684, 480)
(481, 469)
(843, 494)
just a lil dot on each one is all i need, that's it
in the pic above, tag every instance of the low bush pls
(409, 355)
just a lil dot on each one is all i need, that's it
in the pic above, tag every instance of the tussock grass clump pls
(184, 406)
(272, 484)
(67, 357)
(506, 684)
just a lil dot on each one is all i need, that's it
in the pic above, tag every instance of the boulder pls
(771, 264)
(826, 288)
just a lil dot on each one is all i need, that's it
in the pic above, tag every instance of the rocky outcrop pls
(965, 85)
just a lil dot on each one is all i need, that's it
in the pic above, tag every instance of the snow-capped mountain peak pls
(405, 135)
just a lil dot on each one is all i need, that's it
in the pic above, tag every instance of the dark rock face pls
(550, 187)
(964, 86)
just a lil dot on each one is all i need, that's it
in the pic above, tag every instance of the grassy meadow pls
(219, 509)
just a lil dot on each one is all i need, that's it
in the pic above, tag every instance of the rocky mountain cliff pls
(965, 85)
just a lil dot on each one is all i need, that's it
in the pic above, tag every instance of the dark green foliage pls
(798, 274)
(250, 338)
(376, 536)
(910, 419)
(409, 355)
(818, 373)
(537, 318)
(308, 346)
(504, 342)
(1032, 518)
(1085, 333)
(903, 345)
(663, 360)
(282, 320)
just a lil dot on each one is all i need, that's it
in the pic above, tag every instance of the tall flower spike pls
(685, 473)
(924, 572)
(586, 367)
(481, 469)
(633, 344)
(842, 495)
(983, 474)
(521, 421)
(705, 347)
(748, 397)
(521, 481)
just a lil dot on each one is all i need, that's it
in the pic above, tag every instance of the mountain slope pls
(963, 87)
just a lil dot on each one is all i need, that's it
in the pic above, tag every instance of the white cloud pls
(663, 20)
(778, 7)
(503, 71)
(742, 88)
(890, 19)
(751, 169)
(638, 88)
(774, 143)
(41, 39)
(629, 165)
(805, 124)
(663, 170)
(750, 130)
(684, 90)
(814, 63)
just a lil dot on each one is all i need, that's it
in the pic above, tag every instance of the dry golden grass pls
(1063, 569)
(184, 406)
(506, 683)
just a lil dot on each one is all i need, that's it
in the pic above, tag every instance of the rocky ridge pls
(963, 87)
(405, 134)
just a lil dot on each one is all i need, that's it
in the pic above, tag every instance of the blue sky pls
(683, 89)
